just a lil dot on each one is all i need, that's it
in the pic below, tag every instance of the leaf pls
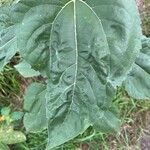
(5, 111)
(86, 49)
(121, 23)
(10, 17)
(17, 115)
(137, 83)
(25, 70)
(122, 30)
(34, 103)
(8, 45)
(9, 136)
(3, 146)
(79, 92)
(35, 38)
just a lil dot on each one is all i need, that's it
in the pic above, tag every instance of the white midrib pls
(75, 32)
(76, 43)
(76, 50)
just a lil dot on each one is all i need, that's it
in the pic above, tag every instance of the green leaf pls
(3, 146)
(5, 111)
(17, 115)
(86, 49)
(10, 17)
(83, 67)
(137, 83)
(9, 136)
(121, 23)
(35, 38)
(8, 45)
(25, 70)
(34, 103)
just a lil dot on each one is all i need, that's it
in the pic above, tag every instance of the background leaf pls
(9, 136)
(137, 83)
(3, 146)
(35, 104)
(121, 24)
(17, 115)
(25, 69)
(33, 41)
(5, 111)
(8, 45)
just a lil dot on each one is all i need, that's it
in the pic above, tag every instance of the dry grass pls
(145, 15)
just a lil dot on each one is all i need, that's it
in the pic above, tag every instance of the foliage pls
(8, 116)
(7, 134)
(34, 103)
(137, 82)
(25, 69)
(82, 71)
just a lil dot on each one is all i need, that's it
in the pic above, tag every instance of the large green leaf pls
(33, 39)
(35, 105)
(79, 89)
(137, 83)
(120, 23)
(86, 48)
(122, 28)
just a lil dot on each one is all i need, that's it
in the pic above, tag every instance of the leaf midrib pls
(76, 44)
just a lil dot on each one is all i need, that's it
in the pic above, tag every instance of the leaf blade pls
(34, 103)
(73, 75)
(137, 82)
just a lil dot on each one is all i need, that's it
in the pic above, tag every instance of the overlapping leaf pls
(122, 28)
(137, 83)
(25, 70)
(3, 146)
(10, 17)
(8, 45)
(10, 136)
(33, 39)
(35, 104)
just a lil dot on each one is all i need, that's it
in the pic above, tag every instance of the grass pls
(145, 15)
(132, 113)
(10, 86)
